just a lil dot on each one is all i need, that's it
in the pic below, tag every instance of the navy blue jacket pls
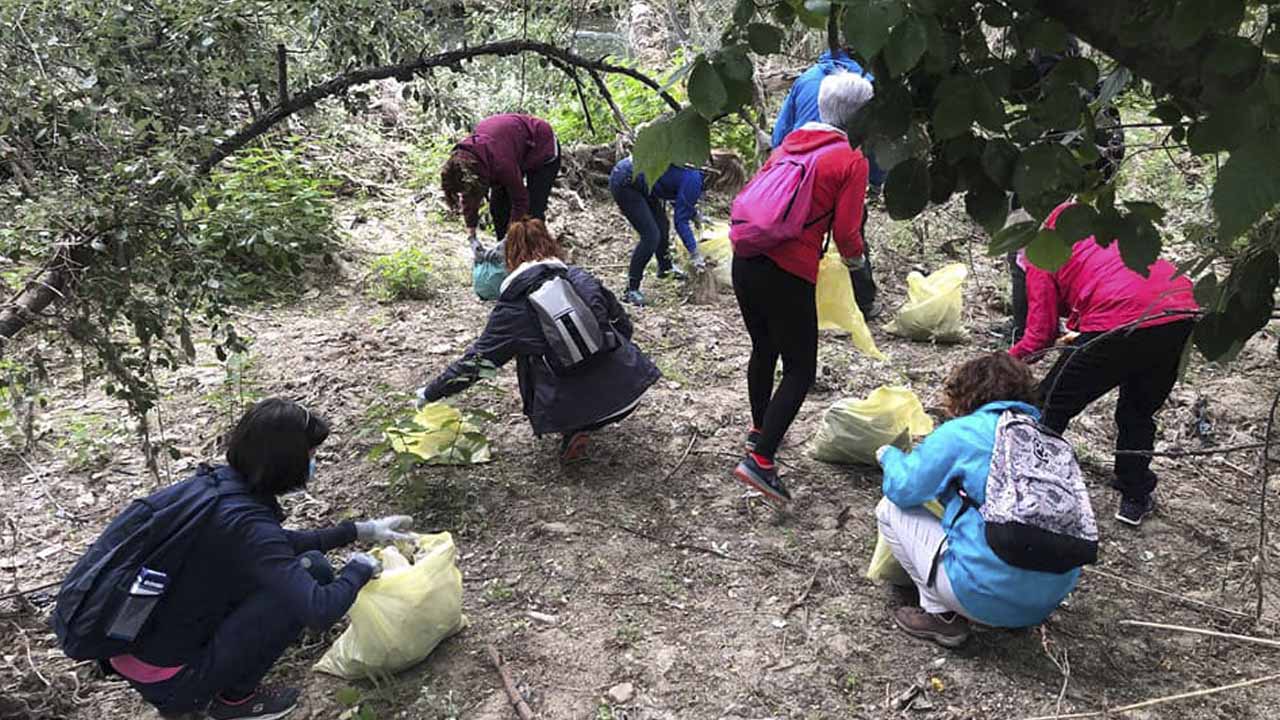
(608, 385)
(242, 550)
(679, 185)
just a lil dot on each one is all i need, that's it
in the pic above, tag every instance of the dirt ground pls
(674, 595)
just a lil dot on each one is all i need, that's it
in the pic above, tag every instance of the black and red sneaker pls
(573, 445)
(753, 439)
(266, 703)
(762, 479)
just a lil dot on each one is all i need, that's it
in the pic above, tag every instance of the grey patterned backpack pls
(1037, 510)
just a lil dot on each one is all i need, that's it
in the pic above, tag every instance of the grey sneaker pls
(1133, 512)
(633, 297)
(266, 703)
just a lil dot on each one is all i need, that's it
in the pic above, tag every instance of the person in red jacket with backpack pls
(776, 285)
(1097, 293)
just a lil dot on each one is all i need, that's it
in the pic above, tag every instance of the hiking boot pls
(764, 480)
(266, 703)
(674, 273)
(573, 445)
(633, 297)
(1132, 512)
(753, 438)
(946, 629)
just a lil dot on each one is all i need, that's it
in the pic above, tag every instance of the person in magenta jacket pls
(777, 291)
(512, 160)
(1097, 293)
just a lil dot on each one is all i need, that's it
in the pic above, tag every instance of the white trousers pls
(915, 536)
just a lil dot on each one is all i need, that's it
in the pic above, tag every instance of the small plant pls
(406, 274)
(499, 592)
(354, 704)
(239, 388)
(87, 441)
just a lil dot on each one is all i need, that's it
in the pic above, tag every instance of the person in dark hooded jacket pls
(603, 391)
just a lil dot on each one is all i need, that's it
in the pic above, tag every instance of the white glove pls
(856, 263)
(699, 262)
(880, 451)
(383, 530)
(420, 398)
(368, 561)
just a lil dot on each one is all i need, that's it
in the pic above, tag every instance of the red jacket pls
(1096, 293)
(840, 188)
(508, 146)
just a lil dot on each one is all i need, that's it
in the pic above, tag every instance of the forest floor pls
(675, 595)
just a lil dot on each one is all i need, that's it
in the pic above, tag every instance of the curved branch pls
(405, 71)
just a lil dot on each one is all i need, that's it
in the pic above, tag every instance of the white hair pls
(840, 97)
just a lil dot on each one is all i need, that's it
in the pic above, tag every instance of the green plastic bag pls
(486, 279)
(402, 615)
(934, 311)
(853, 429)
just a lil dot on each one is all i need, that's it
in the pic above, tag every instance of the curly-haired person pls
(958, 576)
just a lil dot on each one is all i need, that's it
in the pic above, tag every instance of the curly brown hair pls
(529, 240)
(460, 179)
(988, 378)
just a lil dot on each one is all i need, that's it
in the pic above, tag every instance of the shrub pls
(261, 219)
(406, 274)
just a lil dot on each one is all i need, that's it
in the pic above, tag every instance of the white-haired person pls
(777, 290)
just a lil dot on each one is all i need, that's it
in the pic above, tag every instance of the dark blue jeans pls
(250, 640)
(649, 217)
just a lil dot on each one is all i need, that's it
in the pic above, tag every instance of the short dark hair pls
(988, 378)
(271, 444)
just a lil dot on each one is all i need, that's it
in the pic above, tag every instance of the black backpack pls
(572, 331)
(155, 533)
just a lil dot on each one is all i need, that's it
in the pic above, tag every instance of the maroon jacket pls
(508, 146)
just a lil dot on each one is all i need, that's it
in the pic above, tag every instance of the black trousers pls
(1144, 365)
(1017, 296)
(780, 311)
(538, 182)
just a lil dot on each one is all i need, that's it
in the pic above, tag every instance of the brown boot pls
(947, 629)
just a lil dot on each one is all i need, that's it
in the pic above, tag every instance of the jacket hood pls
(841, 60)
(1000, 406)
(813, 135)
(519, 280)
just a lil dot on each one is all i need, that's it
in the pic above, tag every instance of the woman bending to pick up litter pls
(775, 279)
(238, 590)
(950, 561)
(577, 367)
(644, 207)
(1097, 293)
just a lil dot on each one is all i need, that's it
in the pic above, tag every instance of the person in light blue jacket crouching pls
(949, 561)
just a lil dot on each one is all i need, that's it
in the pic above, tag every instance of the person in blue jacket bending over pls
(949, 561)
(643, 207)
(800, 107)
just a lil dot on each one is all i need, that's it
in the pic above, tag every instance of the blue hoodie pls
(679, 185)
(959, 451)
(801, 105)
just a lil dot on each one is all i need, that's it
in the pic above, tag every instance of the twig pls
(1175, 453)
(28, 591)
(1064, 666)
(1165, 593)
(1160, 700)
(808, 587)
(680, 462)
(517, 700)
(678, 545)
(44, 488)
(1201, 631)
(613, 106)
(1264, 469)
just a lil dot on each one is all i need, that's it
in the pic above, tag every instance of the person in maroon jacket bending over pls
(511, 160)
(777, 291)
(1097, 293)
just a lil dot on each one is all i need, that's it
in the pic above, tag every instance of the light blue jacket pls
(959, 451)
(801, 105)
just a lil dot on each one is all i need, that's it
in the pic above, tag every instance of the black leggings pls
(780, 311)
(538, 182)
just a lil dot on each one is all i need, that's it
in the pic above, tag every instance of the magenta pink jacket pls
(1096, 293)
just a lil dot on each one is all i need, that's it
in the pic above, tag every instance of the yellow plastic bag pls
(441, 435)
(884, 567)
(853, 429)
(716, 248)
(934, 310)
(837, 309)
(400, 617)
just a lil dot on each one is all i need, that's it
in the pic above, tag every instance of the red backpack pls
(775, 206)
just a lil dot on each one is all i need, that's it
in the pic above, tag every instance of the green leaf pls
(347, 697)
(743, 11)
(997, 15)
(999, 158)
(906, 192)
(1048, 251)
(1207, 290)
(1076, 223)
(1079, 72)
(1140, 247)
(706, 90)
(813, 13)
(942, 182)
(1248, 187)
(1152, 212)
(867, 24)
(1188, 24)
(907, 44)
(690, 138)
(987, 204)
(954, 113)
(1231, 64)
(1046, 175)
(734, 66)
(784, 14)
(764, 39)
(1045, 35)
(652, 149)
(1012, 238)
(1215, 339)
